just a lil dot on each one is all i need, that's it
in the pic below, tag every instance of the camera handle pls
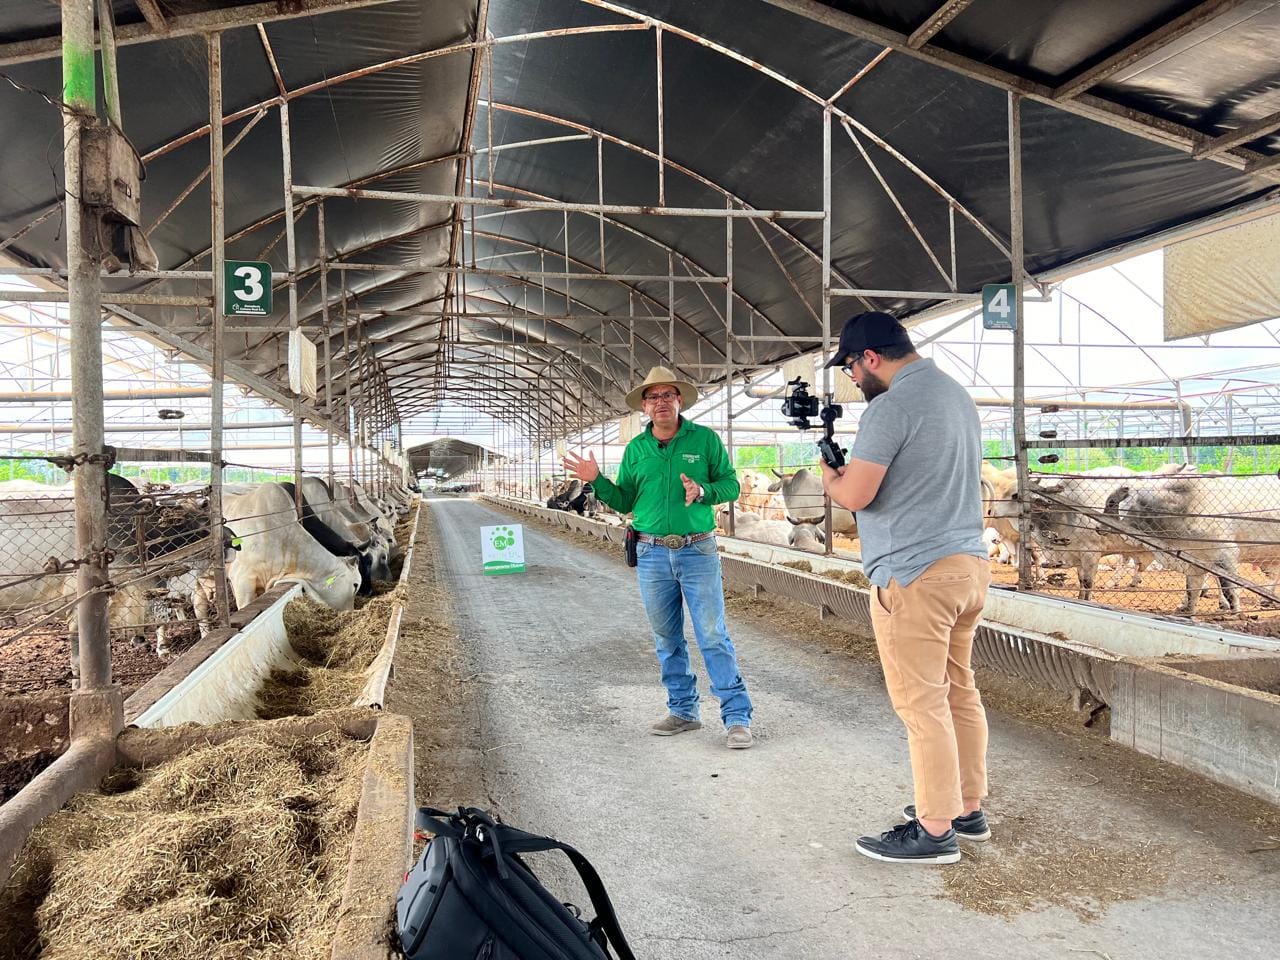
(831, 452)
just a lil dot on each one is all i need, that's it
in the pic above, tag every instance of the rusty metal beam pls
(936, 23)
(187, 24)
(153, 15)
(1136, 122)
(1174, 30)
(1241, 135)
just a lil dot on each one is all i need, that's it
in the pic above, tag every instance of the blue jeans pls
(668, 580)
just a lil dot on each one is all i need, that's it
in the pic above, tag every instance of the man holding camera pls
(914, 480)
(671, 477)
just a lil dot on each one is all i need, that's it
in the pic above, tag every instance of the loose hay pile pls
(1035, 866)
(854, 578)
(233, 852)
(335, 649)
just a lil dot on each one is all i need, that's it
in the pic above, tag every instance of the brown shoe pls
(670, 725)
(739, 738)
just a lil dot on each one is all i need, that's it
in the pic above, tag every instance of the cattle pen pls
(297, 297)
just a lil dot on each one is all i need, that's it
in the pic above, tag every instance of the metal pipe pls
(35, 427)
(110, 75)
(324, 316)
(128, 299)
(599, 193)
(905, 294)
(84, 292)
(902, 211)
(514, 204)
(728, 348)
(526, 274)
(1019, 332)
(827, 293)
(1087, 404)
(662, 174)
(217, 373)
(139, 393)
(291, 255)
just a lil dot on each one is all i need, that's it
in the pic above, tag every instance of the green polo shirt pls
(649, 486)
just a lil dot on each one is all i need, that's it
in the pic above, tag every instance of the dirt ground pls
(42, 660)
(433, 683)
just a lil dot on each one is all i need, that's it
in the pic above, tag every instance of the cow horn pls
(780, 476)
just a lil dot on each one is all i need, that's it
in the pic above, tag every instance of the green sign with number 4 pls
(246, 289)
(999, 306)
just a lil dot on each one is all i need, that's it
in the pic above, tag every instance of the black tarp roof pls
(744, 86)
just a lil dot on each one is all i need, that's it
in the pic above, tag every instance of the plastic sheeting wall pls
(1226, 279)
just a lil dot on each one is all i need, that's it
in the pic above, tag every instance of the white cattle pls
(1217, 521)
(752, 526)
(274, 548)
(808, 537)
(364, 538)
(803, 495)
(1061, 521)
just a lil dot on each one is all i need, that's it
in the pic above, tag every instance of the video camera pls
(798, 406)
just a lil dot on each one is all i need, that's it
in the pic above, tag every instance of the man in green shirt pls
(671, 477)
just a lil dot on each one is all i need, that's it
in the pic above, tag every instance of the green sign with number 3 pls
(246, 289)
(999, 306)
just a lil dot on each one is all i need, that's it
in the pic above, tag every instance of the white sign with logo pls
(502, 549)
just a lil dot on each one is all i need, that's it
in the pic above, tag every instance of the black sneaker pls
(911, 843)
(972, 826)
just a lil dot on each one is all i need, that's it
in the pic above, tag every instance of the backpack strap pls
(440, 823)
(499, 840)
(509, 840)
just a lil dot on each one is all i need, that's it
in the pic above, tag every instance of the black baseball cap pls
(869, 331)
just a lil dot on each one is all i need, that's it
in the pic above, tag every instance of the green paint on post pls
(78, 78)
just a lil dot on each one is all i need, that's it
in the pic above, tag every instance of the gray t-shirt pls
(925, 429)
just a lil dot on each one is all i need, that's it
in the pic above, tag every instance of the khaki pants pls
(925, 636)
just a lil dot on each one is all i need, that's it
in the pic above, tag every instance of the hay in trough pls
(235, 851)
(336, 650)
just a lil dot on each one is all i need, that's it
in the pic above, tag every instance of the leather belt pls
(673, 541)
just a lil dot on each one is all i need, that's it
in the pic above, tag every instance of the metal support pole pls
(728, 348)
(671, 309)
(217, 373)
(328, 335)
(1019, 335)
(84, 299)
(662, 139)
(346, 419)
(600, 197)
(291, 253)
(826, 293)
(110, 75)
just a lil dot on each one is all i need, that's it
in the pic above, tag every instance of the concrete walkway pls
(711, 853)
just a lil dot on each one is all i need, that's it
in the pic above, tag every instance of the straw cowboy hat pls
(688, 392)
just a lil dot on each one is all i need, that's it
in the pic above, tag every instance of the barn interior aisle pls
(716, 853)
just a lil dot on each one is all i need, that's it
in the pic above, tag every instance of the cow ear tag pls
(236, 542)
(328, 581)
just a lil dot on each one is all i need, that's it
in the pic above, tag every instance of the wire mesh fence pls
(1181, 539)
(159, 551)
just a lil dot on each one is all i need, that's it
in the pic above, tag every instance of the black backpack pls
(471, 897)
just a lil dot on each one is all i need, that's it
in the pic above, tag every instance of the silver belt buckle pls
(672, 541)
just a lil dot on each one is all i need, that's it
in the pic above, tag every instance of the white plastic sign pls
(999, 306)
(502, 549)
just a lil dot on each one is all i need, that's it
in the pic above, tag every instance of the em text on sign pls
(999, 306)
(246, 289)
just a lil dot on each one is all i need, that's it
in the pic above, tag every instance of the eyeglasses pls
(660, 396)
(848, 367)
